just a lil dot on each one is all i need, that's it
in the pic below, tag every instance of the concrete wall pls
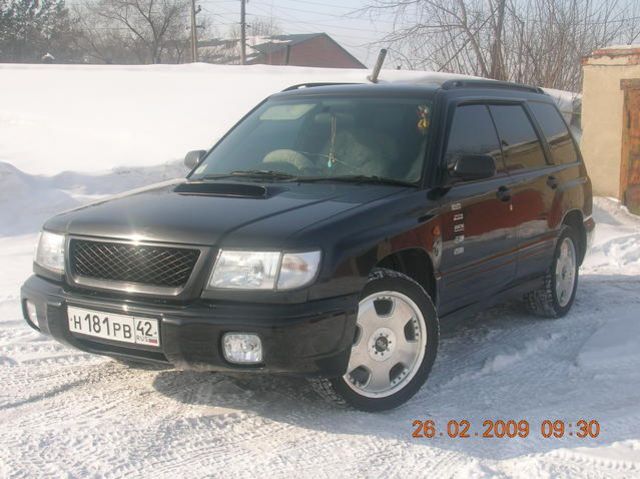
(602, 110)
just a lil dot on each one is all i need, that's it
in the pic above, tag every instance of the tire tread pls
(541, 302)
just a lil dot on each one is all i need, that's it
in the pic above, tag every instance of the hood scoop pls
(210, 188)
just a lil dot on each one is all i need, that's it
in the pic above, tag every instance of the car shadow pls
(500, 364)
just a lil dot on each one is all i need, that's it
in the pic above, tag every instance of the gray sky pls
(309, 16)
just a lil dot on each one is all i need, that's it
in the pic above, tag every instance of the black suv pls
(326, 235)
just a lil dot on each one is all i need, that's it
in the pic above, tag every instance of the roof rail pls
(451, 84)
(311, 85)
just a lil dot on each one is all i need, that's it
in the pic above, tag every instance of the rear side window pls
(520, 143)
(472, 133)
(556, 132)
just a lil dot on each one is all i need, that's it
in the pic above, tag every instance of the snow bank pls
(112, 121)
(617, 246)
(67, 413)
(633, 46)
(28, 200)
(93, 118)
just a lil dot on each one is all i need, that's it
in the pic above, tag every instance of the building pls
(305, 49)
(611, 122)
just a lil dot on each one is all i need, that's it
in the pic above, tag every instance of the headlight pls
(298, 269)
(245, 270)
(50, 252)
(261, 270)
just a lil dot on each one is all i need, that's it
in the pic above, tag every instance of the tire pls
(394, 348)
(555, 298)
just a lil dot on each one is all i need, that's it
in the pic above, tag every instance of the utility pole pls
(497, 64)
(194, 33)
(243, 32)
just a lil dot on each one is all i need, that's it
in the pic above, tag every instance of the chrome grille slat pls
(158, 266)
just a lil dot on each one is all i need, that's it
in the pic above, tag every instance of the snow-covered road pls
(64, 413)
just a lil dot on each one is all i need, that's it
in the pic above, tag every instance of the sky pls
(354, 31)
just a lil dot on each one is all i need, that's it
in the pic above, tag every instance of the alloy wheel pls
(565, 272)
(389, 344)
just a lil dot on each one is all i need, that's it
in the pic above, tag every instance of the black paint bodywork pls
(508, 246)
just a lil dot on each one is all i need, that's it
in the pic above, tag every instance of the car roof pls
(487, 88)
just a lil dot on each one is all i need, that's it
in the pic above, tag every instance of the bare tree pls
(530, 41)
(264, 26)
(259, 27)
(151, 30)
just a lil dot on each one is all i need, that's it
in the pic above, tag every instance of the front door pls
(630, 162)
(479, 236)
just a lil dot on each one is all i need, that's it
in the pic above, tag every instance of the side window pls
(472, 133)
(520, 144)
(555, 131)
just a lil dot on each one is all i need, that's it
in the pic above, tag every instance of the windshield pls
(326, 137)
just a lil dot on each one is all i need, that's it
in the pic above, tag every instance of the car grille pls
(132, 263)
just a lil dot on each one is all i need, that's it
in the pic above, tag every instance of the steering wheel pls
(291, 157)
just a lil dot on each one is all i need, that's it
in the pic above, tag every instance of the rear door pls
(479, 237)
(532, 185)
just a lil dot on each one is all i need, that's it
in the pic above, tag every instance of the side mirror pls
(474, 167)
(193, 158)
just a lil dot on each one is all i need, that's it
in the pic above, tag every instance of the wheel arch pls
(415, 263)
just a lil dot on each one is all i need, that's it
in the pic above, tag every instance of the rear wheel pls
(394, 346)
(555, 298)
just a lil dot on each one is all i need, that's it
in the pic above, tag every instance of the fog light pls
(242, 348)
(32, 313)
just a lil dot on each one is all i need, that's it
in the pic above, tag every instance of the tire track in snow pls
(41, 397)
(106, 420)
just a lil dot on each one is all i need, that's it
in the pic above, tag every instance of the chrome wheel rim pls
(565, 272)
(389, 345)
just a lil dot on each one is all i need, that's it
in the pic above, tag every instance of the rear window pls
(556, 132)
(520, 143)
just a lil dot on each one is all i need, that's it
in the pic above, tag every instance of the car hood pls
(238, 214)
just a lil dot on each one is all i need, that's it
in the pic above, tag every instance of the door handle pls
(504, 193)
(552, 182)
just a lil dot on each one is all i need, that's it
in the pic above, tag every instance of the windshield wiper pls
(374, 179)
(279, 175)
(269, 174)
(261, 174)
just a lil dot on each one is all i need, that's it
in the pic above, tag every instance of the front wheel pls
(555, 298)
(394, 346)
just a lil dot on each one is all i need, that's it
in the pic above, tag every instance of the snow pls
(65, 413)
(93, 118)
(633, 46)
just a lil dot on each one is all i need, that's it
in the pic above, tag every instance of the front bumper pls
(308, 339)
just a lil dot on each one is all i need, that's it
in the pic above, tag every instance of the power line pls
(295, 20)
(331, 15)
(307, 30)
(324, 4)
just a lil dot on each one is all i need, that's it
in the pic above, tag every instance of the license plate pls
(116, 327)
